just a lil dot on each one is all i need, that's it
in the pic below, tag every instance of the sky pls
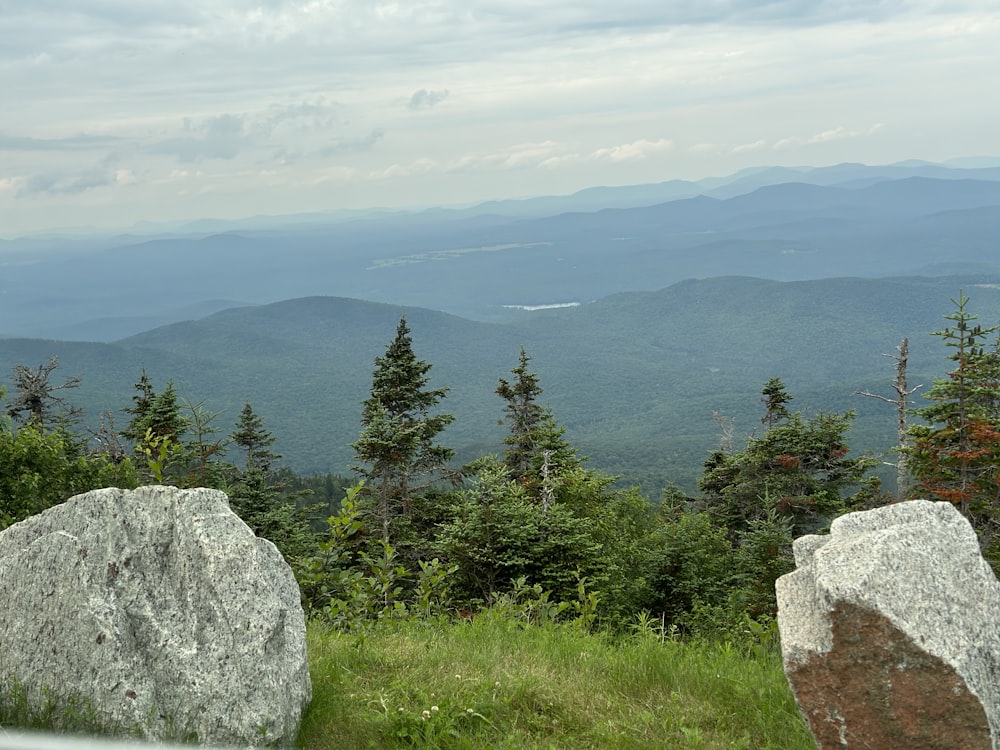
(115, 112)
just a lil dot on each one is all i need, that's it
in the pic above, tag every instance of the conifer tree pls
(523, 415)
(955, 455)
(798, 469)
(536, 450)
(155, 430)
(255, 440)
(203, 448)
(260, 498)
(396, 451)
(775, 399)
(159, 413)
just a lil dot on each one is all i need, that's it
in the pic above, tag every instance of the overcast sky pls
(118, 111)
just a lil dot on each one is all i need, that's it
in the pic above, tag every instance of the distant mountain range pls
(489, 261)
(634, 376)
(645, 308)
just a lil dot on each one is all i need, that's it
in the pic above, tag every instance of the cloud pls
(554, 96)
(424, 99)
(419, 166)
(834, 134)
(289, 132)
(220, 137)
(745, 148)
(333, 146)
(11, 184)
(838, 133)
(635, 151)
(68, 182)
(543, 154)
(72, 143)
(352, 145)
(305, 116)
(528, 154)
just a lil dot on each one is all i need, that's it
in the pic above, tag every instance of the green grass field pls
(494, 683)
(497, 683)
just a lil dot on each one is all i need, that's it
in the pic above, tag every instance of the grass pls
(493, 683)
(47, 711)
(497, 683)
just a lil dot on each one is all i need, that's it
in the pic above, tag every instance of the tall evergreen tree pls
(260, 497)
(254, 440)
(396, 451)
(158, 413)
(155, 431)
(523, 415)
(955, 455)
(799, 469)
(204, 448)
(775, 398)
(537, 451)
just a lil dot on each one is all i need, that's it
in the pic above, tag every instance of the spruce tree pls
(158, 413)
(260, 498)
(523, 415)
(396, 452)
(799, 470)
(775, 399)
(955, 455)
(537, 453)
(155, 430)
(255, 440)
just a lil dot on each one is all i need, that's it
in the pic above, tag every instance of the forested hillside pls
(635, 377)
(850, 220)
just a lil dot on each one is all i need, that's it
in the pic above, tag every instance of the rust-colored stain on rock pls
(878, 689)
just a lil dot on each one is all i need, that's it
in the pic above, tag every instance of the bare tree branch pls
(902, 410)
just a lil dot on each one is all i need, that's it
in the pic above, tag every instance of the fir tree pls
(537, 452)
(775, 399)
(255, 440)
(260, 498)
(799, 470)
(158, 413)
(204, 447)
(396, 451)
(523, 415)
(955, 456)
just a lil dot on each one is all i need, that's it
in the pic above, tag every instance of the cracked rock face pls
(890, 631)
(160, 607)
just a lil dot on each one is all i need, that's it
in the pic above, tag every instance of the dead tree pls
(35, 401)
(902, 402)
(727, 426)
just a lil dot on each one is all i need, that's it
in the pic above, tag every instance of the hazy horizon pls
(117, 114)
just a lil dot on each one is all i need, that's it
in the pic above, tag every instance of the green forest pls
(534, 515)
(531, 534)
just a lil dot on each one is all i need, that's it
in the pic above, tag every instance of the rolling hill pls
(634, 376)
(481, 263)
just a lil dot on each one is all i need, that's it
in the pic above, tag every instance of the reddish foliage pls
(788, 462)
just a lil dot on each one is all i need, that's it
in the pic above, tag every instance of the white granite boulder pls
(890, 631)
(160, 607)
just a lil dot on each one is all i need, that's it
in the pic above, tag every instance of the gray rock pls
(160, 607)
(890, 631)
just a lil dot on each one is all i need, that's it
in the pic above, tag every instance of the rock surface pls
(163, 609)
(890, 631)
